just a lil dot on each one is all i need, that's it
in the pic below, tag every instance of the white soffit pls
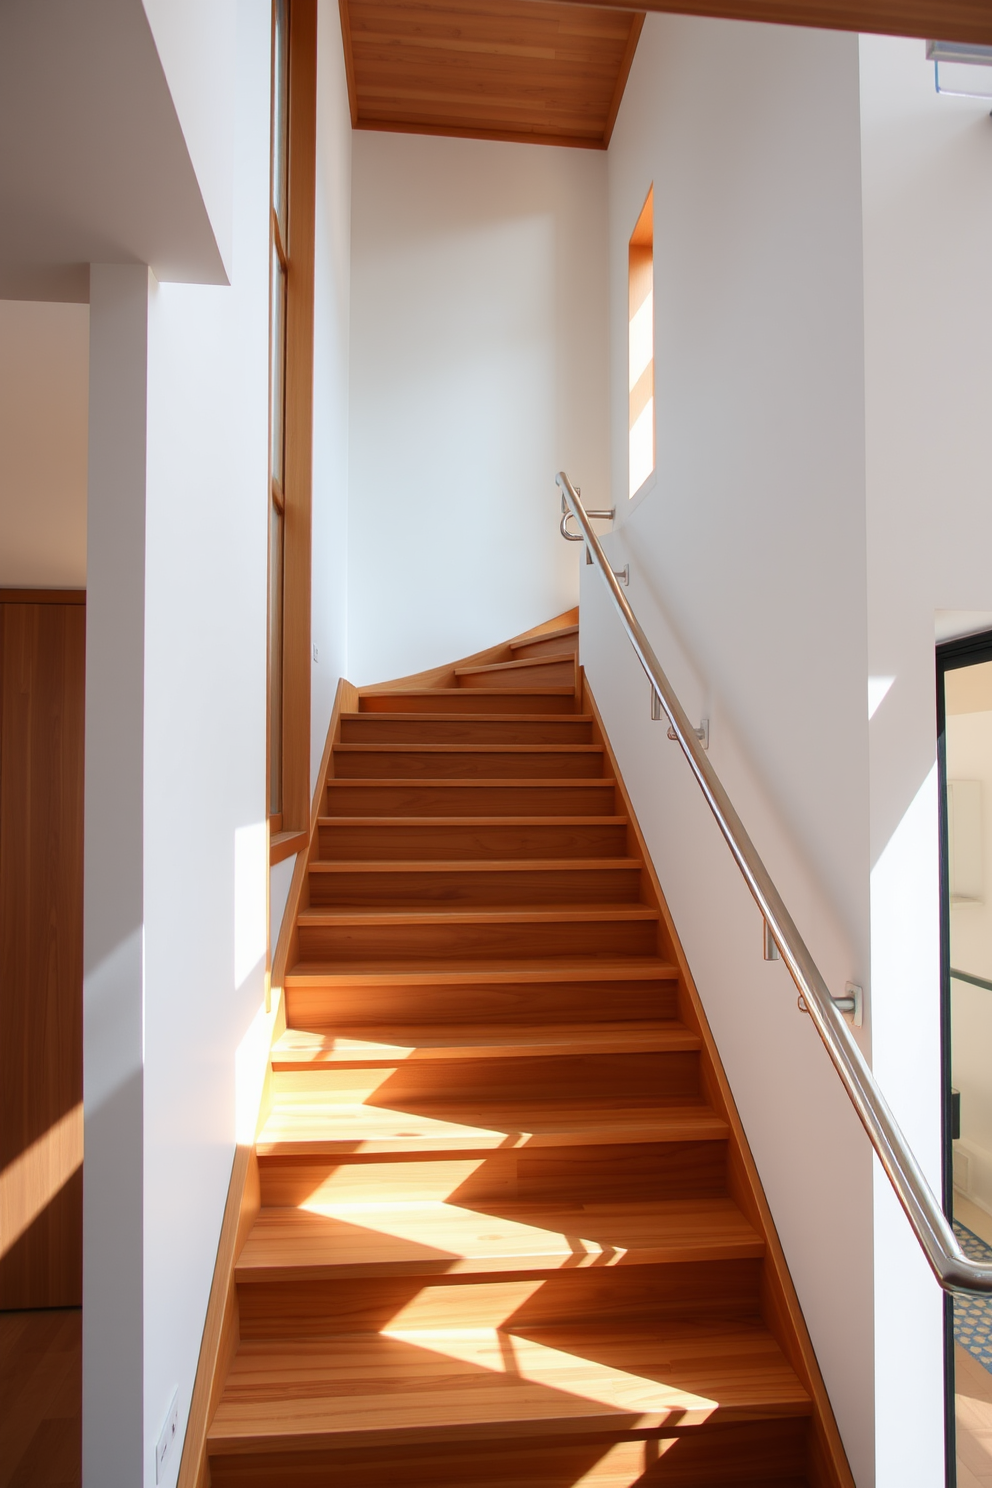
(94, 167)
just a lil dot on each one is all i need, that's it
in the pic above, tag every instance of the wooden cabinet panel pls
(42, 660)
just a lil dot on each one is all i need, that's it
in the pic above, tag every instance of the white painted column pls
(113, 1323)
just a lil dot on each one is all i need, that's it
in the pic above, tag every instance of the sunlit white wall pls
(748, 569)
(478, 343)
(927, 163)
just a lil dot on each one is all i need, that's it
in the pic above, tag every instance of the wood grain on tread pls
(476, 1384)
(327, 1127)
(458, 761)
(302, 1049)
(492, 838)
(517, 700)
(477, 728)
(352, 1240)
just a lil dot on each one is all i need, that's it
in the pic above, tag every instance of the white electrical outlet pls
(165, 1447)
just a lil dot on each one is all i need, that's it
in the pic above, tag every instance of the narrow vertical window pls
(291, 226)
(277, 411)
(640, 280)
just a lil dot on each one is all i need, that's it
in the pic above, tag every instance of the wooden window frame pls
(297, 258)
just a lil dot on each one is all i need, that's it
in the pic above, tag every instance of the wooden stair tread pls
(457, 782)
(510, 666)
(315, 1049)
(314, 1123)
(487, 970)
(472, 865)
(415, 747)
(459, 718)
(406, 1387)
(477, 692)
(502, 915)
(550, 635)
(352, 1240)
(470, 822)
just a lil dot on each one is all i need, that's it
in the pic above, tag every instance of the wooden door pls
(42, 658)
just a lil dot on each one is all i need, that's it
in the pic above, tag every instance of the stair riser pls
(366, 728)
(636, 1076)
(759, 1454)
(345, 799)
(479, 1002)
(422, 842)
(460, 700)
(445, 942)
(543, 674)
(580, 763)
(314, 1309)
(525, 888)
(605, 1174)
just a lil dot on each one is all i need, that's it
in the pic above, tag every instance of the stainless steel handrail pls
(952, 1268)
(968, 976)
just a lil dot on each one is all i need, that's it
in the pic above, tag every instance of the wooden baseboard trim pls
(43, 596)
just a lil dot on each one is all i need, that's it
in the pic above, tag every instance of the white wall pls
(196, 42)
(479, 350)
(184, 947)
(44, 352)
(927, 162)
(748, 570)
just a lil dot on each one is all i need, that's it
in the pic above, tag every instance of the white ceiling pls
(94, 165)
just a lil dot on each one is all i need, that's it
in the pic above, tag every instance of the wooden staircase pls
(509, 1232)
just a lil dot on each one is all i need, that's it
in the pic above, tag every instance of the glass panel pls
(968, 806)
(278, 367)
(280, 116)
(276, 541)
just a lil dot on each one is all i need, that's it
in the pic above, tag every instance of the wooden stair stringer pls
(783, 1313)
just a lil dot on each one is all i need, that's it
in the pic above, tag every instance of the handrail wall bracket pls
(955, 1271)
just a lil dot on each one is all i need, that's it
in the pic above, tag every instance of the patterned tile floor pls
(973, 1315)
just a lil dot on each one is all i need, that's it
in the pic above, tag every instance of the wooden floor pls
(41, 1399)
(508, 1232)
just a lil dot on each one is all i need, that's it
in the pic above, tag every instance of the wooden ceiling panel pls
(489, 69)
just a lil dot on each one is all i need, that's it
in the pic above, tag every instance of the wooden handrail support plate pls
(221, 1330)
(782, 1312)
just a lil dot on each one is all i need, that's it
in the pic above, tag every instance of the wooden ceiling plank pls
(613, 29)
(471, 102)
(498, 72)
(484, 128)
(511, 136)
(523, 69)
